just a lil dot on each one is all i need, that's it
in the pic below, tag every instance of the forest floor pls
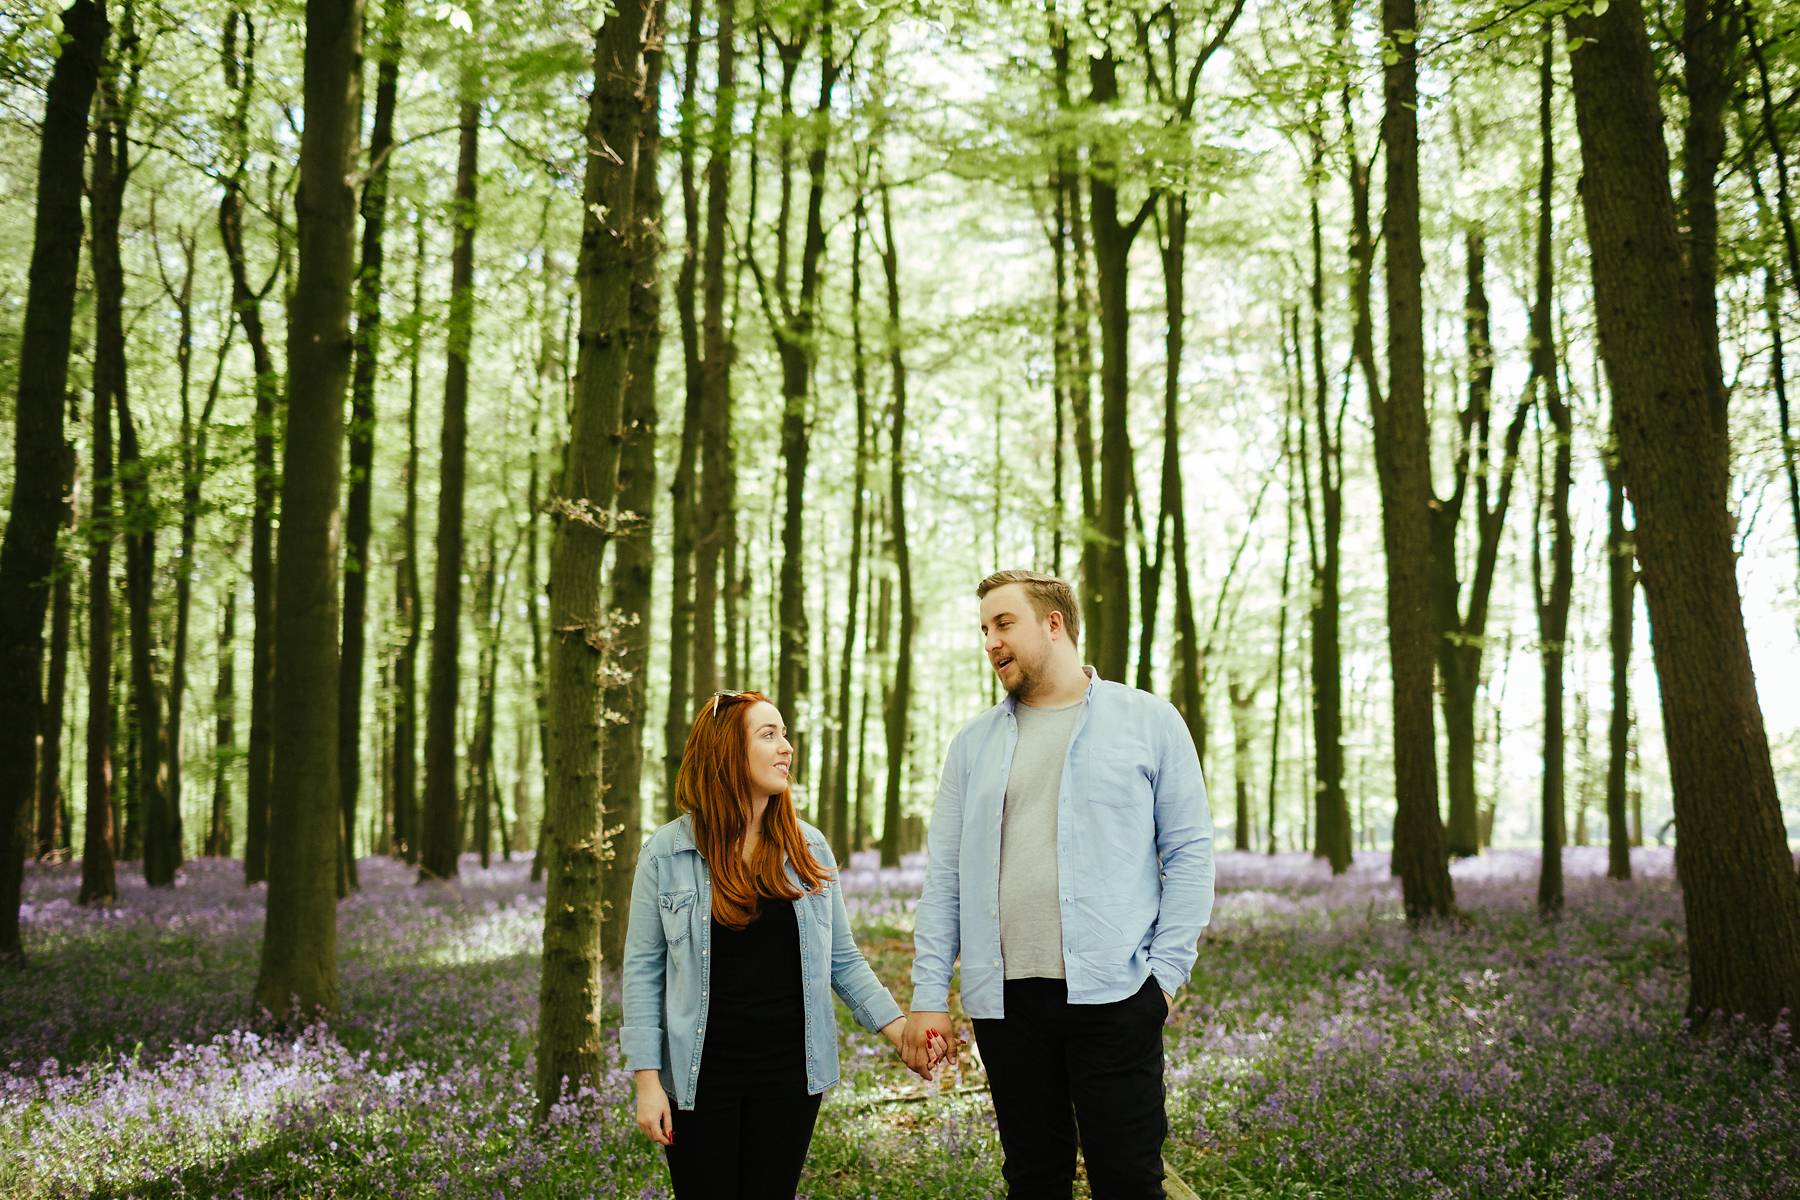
(1322, 1050)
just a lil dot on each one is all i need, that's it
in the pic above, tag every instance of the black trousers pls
(750, 1149)
(1056, 1067)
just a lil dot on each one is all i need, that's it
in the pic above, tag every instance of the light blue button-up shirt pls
(1134, 861)
(667, 964)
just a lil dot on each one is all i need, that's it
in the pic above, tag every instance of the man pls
(1071, 867)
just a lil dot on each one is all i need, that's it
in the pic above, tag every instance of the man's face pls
(1018, 643)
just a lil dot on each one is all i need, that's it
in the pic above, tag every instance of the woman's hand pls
(653, 1116)
(925, 1065)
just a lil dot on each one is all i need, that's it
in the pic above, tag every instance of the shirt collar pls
(1011, 703)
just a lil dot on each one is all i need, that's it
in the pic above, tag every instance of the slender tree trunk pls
(899, 701)
(569, 1051)
(1404, 467)
(1621, 579)
(843, 837)
(682, 500)
(299, 953)
(1281, 625)
(634, 557)
(1709, 33)
(718, 484)
(1553, 605)
(551, 369)
(441, 826)
(362, 441)
(28, 553)
(161, 842)
(1736, 871)
(52, 829)
(98, 879)
(246, 303)
(218, 834)
(481, 740)
(1242, 697)
(406, 588)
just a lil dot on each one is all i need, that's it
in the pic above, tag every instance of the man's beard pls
(1021, 690)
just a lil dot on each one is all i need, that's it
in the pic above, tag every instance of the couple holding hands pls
(1070, 870)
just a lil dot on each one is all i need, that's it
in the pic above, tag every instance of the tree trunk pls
(1552, 606)
(1736, 871)
(1403, 464)
(1621, 580)
(28, 553)
(98, 882)
(481, 742)
(634, 558)
(441, 825)
(842, 833)
(299, 953)
(569, 1051)
(218, 833)
(1709, 33)
(53, 833)
(899, 700)
(162, 830)
(718, 483)
(1242, 696)
(246, 303)
(406, 590)
(1287, 569)
(362, 440)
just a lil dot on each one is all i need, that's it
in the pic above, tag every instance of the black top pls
(755, 1040)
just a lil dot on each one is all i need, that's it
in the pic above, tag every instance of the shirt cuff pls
(642, 1047)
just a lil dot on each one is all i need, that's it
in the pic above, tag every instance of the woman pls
(738, 937)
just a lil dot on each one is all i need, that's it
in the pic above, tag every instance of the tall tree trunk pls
(1709, 33)
(1737, 874)
(299, 952)
(53, 833)
(551, 369)
(634, 558)
(899, 700)
(441, 826)
(1621, 581)
(843, 835)
(718, 484)
(1552, 605)
(1281, 625)
(162, 830)
(366, 356)
(218, 833)
(28, 553)
(1404, 467)
(1331, 821)
(682, 499)
(569, 1051)
(406, 587)
(246, 303)
(481, 740)
(1243, 695)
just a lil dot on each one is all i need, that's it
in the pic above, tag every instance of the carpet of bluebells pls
(1323, 1050)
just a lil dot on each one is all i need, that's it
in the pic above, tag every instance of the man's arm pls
(1184, 837)
(937, 922)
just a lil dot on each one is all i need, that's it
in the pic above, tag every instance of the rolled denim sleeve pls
(937, 924)
(852, 978)
(1184, 844)
(642, 965)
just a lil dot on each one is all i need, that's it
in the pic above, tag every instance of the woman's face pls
(771, 755)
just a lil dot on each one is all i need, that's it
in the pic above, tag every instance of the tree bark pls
(1737, 874)
(161, 840)
(299, 952)
(246, 303)
(441, 825)
(841, 830)
(1243, 695)
(900, 698)
(569, 1051)
(53, 834)
(1552, 605)
(219, 834)
(357, 516)
(1621, 581)
(634, 557)
(28, 553)
(1709, 34)
(406, 588)
(1404, 468)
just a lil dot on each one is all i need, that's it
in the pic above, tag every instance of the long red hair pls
(713, 784)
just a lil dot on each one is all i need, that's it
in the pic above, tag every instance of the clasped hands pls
(924, 1040)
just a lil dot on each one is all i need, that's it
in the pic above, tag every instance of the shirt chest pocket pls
(1117, 777)
(677, 911)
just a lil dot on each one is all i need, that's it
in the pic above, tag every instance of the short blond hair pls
(1047, 594)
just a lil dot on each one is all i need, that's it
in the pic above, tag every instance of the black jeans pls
(1054, 1067)
(750, 1149)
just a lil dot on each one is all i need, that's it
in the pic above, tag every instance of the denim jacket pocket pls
(676, 910)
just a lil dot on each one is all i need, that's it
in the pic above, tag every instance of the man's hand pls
(915, 1046)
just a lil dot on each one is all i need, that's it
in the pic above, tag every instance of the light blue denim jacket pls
(667, 964)
(1134, 857)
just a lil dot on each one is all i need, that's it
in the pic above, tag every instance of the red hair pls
(713, 784)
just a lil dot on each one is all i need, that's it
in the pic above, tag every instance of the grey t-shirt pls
(1030, 915)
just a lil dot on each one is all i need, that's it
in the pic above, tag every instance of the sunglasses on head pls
(718, 696)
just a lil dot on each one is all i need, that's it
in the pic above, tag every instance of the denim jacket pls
(667, 964)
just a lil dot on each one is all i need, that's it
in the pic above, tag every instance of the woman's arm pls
(642, 967)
